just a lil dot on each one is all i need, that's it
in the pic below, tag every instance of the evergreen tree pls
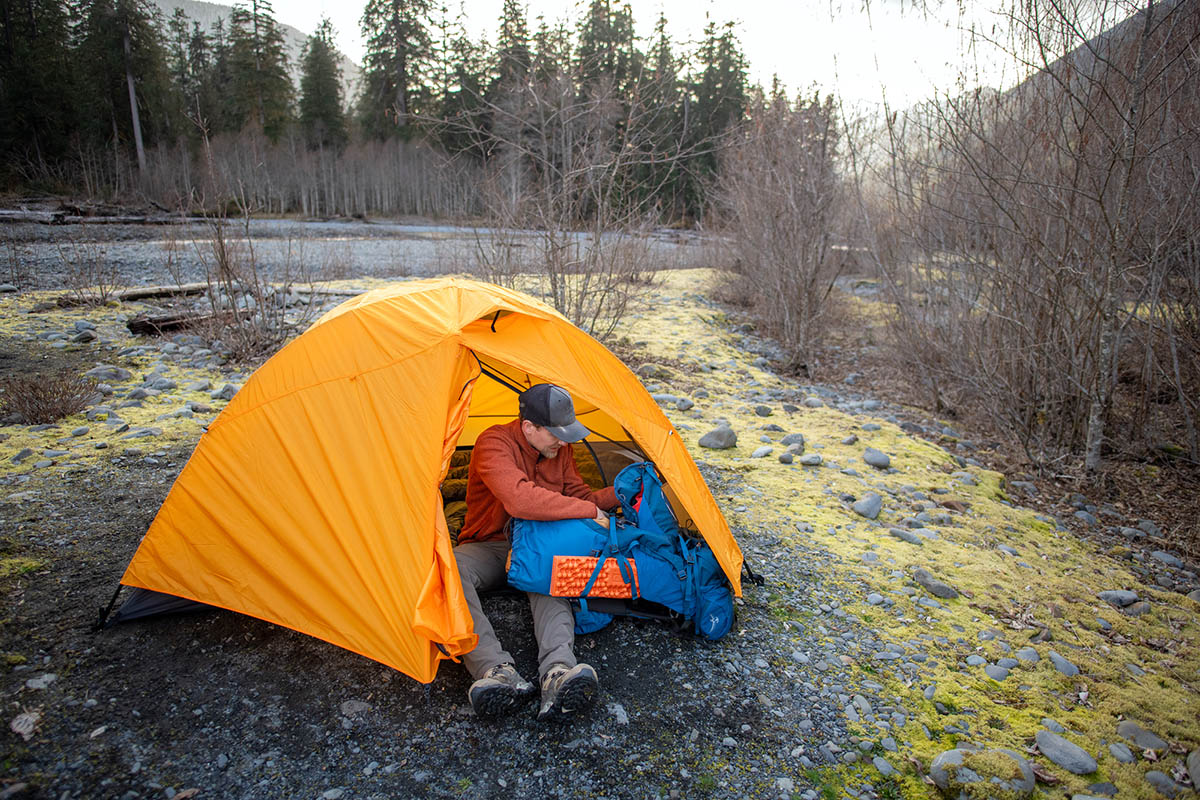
(124, 81)
(716, 104)
(321, 116)
(37, 111)
(513, 58)
(262, 91)
(607, 48)
(398, 56)
(211, 57)
(460, 91)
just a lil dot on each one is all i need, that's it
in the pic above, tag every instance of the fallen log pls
(137, 293)
(154, 326)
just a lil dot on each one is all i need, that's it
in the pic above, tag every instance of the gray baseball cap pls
(551, 407)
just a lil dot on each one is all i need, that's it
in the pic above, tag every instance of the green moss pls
(19, 565)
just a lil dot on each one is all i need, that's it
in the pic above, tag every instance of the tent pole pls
(104, 612)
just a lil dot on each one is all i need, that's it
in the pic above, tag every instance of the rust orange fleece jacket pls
(509, 478)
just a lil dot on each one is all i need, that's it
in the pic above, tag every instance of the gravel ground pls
(805, 698)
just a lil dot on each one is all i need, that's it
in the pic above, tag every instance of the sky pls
(856, 48)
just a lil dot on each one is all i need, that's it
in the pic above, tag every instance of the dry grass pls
(45, 398)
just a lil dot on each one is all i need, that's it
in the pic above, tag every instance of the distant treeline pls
(108, 98)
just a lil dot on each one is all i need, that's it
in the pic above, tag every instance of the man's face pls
(541, 439)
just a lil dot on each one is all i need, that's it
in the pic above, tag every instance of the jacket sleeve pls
(498, 463)
(575, 486)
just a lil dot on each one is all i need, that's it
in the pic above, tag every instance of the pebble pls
(1144, 739)
(1162, 783)
(793, 440)
(996, 672)
(720, 438)
(954, 782)
(80, 431)
(876, 458)
(906, 536)
(1053, 725)
(1138, 609)
(869, 506)
(1121, 752)
(933, 585)
(763, 411)
(884, 766)
(1170, 559)
(1028, 654)
(785, 458)
(811, 460)
(874, 599)
(1118, 597)
(1065, 753)
(1063, 666)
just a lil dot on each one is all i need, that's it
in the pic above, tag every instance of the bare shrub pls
(783, 200)
(566, 195)
(1048, 231)
(45, 398)
(91, 278)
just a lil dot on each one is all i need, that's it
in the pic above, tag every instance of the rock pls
(354, 709)
(1105, 788)
(1170, 559)
(762, 452)
(1138, 609)
(956, 773)
(811, 460)
(1118, 597)
(975, 660)
(851, 439)
(1063, 666)
(793, 439)
(1121, 753)
(226, 392)
(720, 438)
(874, 599)
(7, 288)
(1086, 518)
(1194, 595)
(763, 411)
(1133, 534)
(684, 404)
(42, 681)
(1149, 527)
(85, 336)
(1028, 654)
(813, 402)
(877, 458)
(883, 765)
(785, 458)
(1193, 767)
(1144, 739)
(869, 506)
(1065, 754)
(906, 536)
(996, 672)
(620, 715)
(1163, 784)
(1053, 725)
(199, 386)
(106, 372)
(25, 453)
(933, 585)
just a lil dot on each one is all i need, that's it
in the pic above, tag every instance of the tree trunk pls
(133, 105)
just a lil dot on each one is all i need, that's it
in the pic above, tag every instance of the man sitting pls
(526, 469)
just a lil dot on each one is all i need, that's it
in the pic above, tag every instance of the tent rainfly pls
(313, 499)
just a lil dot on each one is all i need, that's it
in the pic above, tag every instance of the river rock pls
(762, 452)
(957, 773)
(933, 585)
(720, 438)
(1193, 767)
(1063, 666)
(1170, 559)
(869, 506)
(1065, 753)
(792, 440)
(1118, 597)
(1163, 784)
(107, 372)
(786, 458)
(1121, 752)
(684, 404)
(906, 536)
(1144, 739)
(877, 458)
(763, 410)
(811, 460)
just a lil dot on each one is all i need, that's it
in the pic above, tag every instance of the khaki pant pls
(481, 565)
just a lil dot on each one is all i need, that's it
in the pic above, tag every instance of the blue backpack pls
(644, 564)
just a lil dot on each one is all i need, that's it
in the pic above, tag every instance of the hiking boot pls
(567, 689)
(500, 691)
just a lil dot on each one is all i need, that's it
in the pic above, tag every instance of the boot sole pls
(577, 694)
(498, 701)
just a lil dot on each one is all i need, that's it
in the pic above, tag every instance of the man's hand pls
(601, 517)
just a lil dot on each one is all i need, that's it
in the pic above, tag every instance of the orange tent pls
(312, 501)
